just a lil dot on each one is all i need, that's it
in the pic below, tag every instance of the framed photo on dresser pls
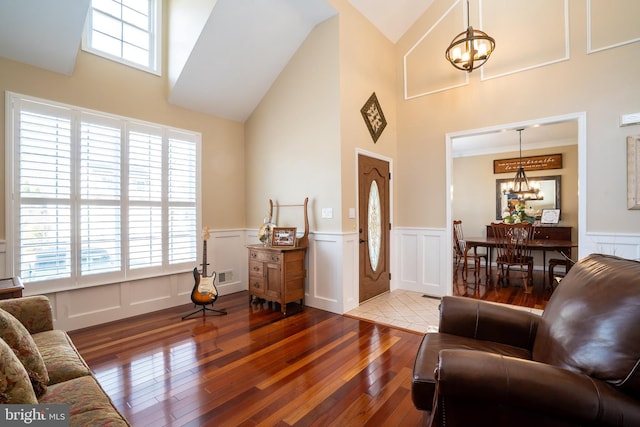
(284, 237)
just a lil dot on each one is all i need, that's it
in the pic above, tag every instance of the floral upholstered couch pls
(40, 365)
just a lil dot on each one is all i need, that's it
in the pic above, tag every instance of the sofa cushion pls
(424, 383)
(15, 385)
(89, 405)
(19, 339)
(60, 356)
(34, 312)
(590, 324)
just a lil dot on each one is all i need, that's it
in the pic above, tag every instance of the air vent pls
(225, 276)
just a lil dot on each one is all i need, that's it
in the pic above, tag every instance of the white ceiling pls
(240, 50)
(505, 140)
(46, 34)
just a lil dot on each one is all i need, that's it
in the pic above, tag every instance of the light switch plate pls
(630, 119)
(327, 213)
(352, 212)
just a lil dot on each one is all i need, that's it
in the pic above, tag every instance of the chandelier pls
(470, 49)
(521, 188)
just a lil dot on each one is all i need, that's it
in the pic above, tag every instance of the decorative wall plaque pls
(532, 163)
(373, 117)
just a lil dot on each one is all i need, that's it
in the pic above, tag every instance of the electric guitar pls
(204, 290)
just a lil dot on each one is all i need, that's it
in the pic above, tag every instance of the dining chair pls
(474, 258)
(554, 277)
(512, 247)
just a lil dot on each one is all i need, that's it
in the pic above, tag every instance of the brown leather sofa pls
(578, 364)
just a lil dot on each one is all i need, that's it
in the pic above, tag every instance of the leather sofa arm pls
(34, 312)
(488, 321)
(509, 388)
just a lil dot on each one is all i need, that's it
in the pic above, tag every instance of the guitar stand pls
(204, 309)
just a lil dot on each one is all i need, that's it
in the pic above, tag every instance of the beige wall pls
(292, 137)
(604, 85)
(474, 187)
(302, 138)
(106, 86)
(366, 66)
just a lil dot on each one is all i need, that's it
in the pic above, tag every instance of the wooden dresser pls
(277, 274)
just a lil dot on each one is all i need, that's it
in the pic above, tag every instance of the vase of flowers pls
(517, 215)
(264, 233)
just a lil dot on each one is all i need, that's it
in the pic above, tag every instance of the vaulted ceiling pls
(223, 54)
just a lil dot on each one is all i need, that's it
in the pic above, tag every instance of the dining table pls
(544, 245)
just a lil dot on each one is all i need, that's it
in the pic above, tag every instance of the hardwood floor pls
(513, 294)
(253, 367)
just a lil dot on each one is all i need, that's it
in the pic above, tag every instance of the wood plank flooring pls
(253, 368)
(513, 294)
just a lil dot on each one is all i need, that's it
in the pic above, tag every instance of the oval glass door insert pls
(375, 225)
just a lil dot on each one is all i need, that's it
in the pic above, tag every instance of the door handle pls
(363, 241)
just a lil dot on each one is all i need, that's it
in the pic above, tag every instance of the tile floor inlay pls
(408, 310)
(403, 309)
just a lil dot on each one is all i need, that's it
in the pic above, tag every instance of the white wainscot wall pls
(419, 259)
(622, 245)
(332, 272)
(88, 306)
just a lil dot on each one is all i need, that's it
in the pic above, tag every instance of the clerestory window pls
(127, 31)
(97, 198)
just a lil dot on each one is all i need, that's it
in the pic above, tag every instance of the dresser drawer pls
(256, 269)
(264, 256)
(256, 285)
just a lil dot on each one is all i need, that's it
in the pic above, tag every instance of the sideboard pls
(542, 232)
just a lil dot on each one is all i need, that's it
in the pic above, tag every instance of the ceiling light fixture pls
(470, 49)
(521, 188)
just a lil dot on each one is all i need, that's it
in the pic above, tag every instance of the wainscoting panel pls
(350, 272)
(324, 272)
(408, 259)
(228, 256)
(419, 261)
(149, 291)
(622, 245)
(83, 307)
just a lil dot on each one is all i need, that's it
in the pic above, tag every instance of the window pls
(127, 31)
(98, 198)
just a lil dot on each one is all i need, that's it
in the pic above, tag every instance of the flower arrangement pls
(517, 215)
(264, 233)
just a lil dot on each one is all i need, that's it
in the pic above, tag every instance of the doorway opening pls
(499, 139)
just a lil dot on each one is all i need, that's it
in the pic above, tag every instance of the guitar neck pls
(204, 258)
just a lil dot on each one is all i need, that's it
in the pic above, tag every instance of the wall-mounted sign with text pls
(533, 163)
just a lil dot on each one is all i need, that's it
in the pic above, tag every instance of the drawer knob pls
(275, 258)
(253, 255)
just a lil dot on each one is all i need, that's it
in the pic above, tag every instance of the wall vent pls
(225, 276)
